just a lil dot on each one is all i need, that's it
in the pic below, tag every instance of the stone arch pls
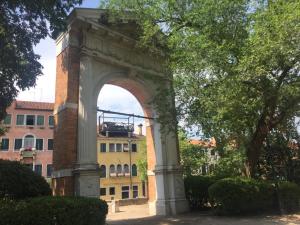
(89, 55)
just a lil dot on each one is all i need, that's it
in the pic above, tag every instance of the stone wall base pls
(168, 207)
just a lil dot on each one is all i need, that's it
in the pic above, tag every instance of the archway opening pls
(122, 152)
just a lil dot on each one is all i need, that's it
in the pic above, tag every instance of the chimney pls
(140, 129)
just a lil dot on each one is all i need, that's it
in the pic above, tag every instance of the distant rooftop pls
(203, 143)
(47, 106)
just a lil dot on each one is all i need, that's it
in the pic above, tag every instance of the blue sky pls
(110, 97)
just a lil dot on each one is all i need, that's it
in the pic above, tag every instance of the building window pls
(126, 169)
(112, 147)
(39, 144)
(119, 147)
(4, 144)
(18, 144)
(135, 191)
(30, 120)
(7, 119)
(125, 192)
(102, 147)
(28, 141)
(20, 119)
(102, 171)
(112, 191)
(51, 121)
(133, 148)
(134, 170)
(38, 169)
(49, 170)
(40, 120)
(125, 147)
(102, 191)
(50, 144)
(119, 169)
(112, 170)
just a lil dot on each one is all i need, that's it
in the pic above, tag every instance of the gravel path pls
(138, 214)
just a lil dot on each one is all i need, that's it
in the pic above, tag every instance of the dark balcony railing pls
(116, 128)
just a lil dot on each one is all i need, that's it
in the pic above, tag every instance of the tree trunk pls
(255, 146)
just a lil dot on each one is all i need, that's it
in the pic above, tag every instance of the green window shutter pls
(40, 120)
(18, 144)
(39, 144)
(4, 144)
(38, 169)
(50, 144)
(134, 170)
(49, 170)
(20, 119)
(51, 121)
(7, 120)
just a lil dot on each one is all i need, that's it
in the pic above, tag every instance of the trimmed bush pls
(232, 196)
(289, 196)
(54, 211)
(196, 188)
(18, 181)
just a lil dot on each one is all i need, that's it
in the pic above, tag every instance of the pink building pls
(29, 138)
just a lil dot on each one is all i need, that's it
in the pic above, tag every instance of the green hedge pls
(54, 211)
(241, 196)
(289, 197)
(196, 188)
(18, 181)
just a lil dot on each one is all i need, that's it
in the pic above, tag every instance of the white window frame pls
(37, 164)
(36, 119)
(11, 120)
(47, 170)
(52, 144)
(105, 171)
(43, 145)
(49, 120)
(109, 144)
(105, 147)
(125, 191)
(25, 118)
(15, 144)
(109, 190)
(5, 150)
(34, 140)
(135, 191)
(123, 150)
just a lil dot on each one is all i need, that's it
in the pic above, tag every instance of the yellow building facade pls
(117, 158)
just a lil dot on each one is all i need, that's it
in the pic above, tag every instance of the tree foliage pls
(22, 25)
(236, 63)
(142, 164)
(192, 157)
(279, 156)
(231, 164)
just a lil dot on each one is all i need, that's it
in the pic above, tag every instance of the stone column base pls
(168, 207)
(87, 182)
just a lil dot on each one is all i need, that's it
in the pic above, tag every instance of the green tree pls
(192, 157)
(142, 161)
(279, 156)
(236, 63)
(22, 25)
(231, 164)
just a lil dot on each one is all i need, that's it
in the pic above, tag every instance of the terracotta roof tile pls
(210, 143)
(34, 105)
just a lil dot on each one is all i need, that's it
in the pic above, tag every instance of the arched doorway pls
(90, 54)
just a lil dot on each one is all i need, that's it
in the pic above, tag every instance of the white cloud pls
(45, 85)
